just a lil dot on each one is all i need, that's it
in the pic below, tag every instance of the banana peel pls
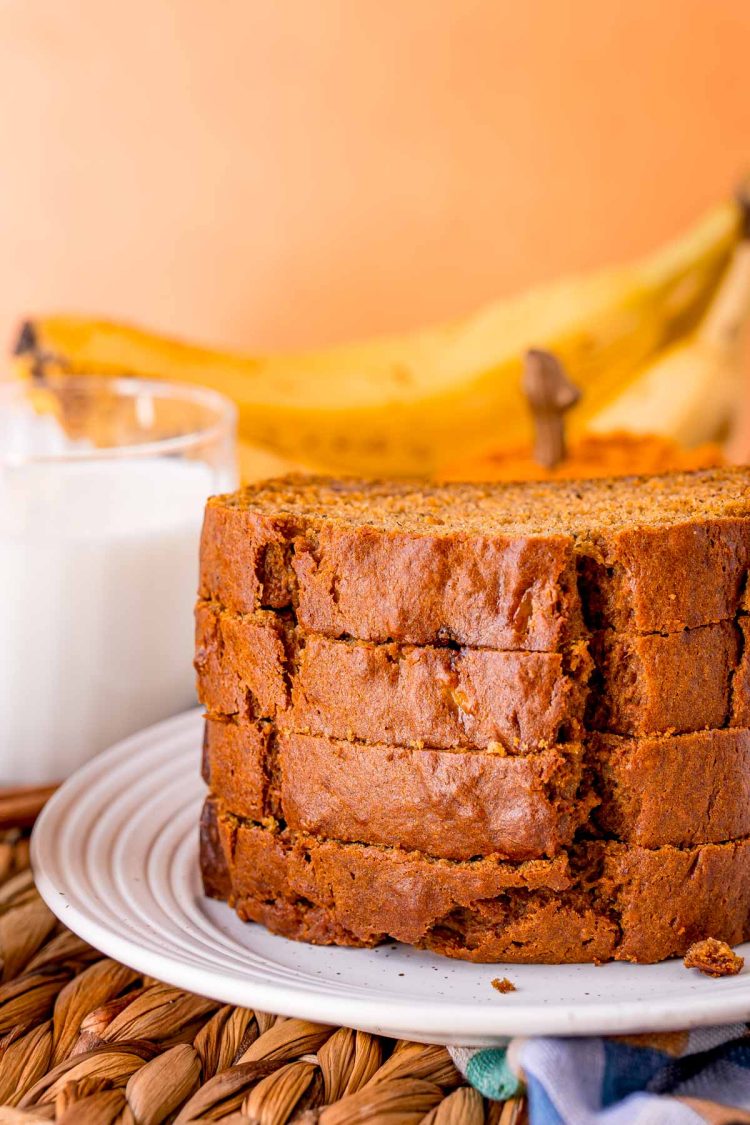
(693, 391)
(407, 405)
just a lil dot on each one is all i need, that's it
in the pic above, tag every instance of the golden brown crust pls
(615, 901)
(215, 856)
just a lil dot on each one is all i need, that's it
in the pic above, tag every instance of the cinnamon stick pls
(19, 807)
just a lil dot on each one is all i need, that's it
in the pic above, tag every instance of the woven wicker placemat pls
(86, 1040)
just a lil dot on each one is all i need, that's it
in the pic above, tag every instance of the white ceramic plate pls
(115, 855)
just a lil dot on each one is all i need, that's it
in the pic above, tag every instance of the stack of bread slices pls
(501, 722)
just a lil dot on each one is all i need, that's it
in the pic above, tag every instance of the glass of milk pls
(102, 489)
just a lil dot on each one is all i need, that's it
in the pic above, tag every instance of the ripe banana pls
(405, 406)
(694, 390)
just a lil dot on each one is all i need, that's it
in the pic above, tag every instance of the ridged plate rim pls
(115, 857)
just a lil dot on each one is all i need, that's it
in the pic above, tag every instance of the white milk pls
(98, 570)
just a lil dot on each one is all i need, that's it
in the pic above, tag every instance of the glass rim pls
(222, 423)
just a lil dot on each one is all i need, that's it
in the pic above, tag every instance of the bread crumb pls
(502, 984)
(714, 958)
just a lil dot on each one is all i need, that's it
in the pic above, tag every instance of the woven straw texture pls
(86, 1040)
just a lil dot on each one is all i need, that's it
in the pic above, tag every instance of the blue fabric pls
(630, 1069)
(616, 1082)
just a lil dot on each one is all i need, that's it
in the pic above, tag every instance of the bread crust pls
(612, 901)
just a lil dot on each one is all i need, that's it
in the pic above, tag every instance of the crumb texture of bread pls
(450, 804)
(654, 683)
(714, 958)
(681, 789)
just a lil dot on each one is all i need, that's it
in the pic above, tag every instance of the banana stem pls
(550, 394)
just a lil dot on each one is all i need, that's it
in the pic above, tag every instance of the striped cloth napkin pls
(677, 1078)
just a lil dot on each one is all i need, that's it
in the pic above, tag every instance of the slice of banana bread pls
(607, 901)
(682, 789)
(503, 566)
(686, 789)
(261, 665)
(456, 805)
(656, 683)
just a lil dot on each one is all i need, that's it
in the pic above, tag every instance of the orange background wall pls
(283, 172)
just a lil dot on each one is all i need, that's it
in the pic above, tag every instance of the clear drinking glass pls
(102, 489)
